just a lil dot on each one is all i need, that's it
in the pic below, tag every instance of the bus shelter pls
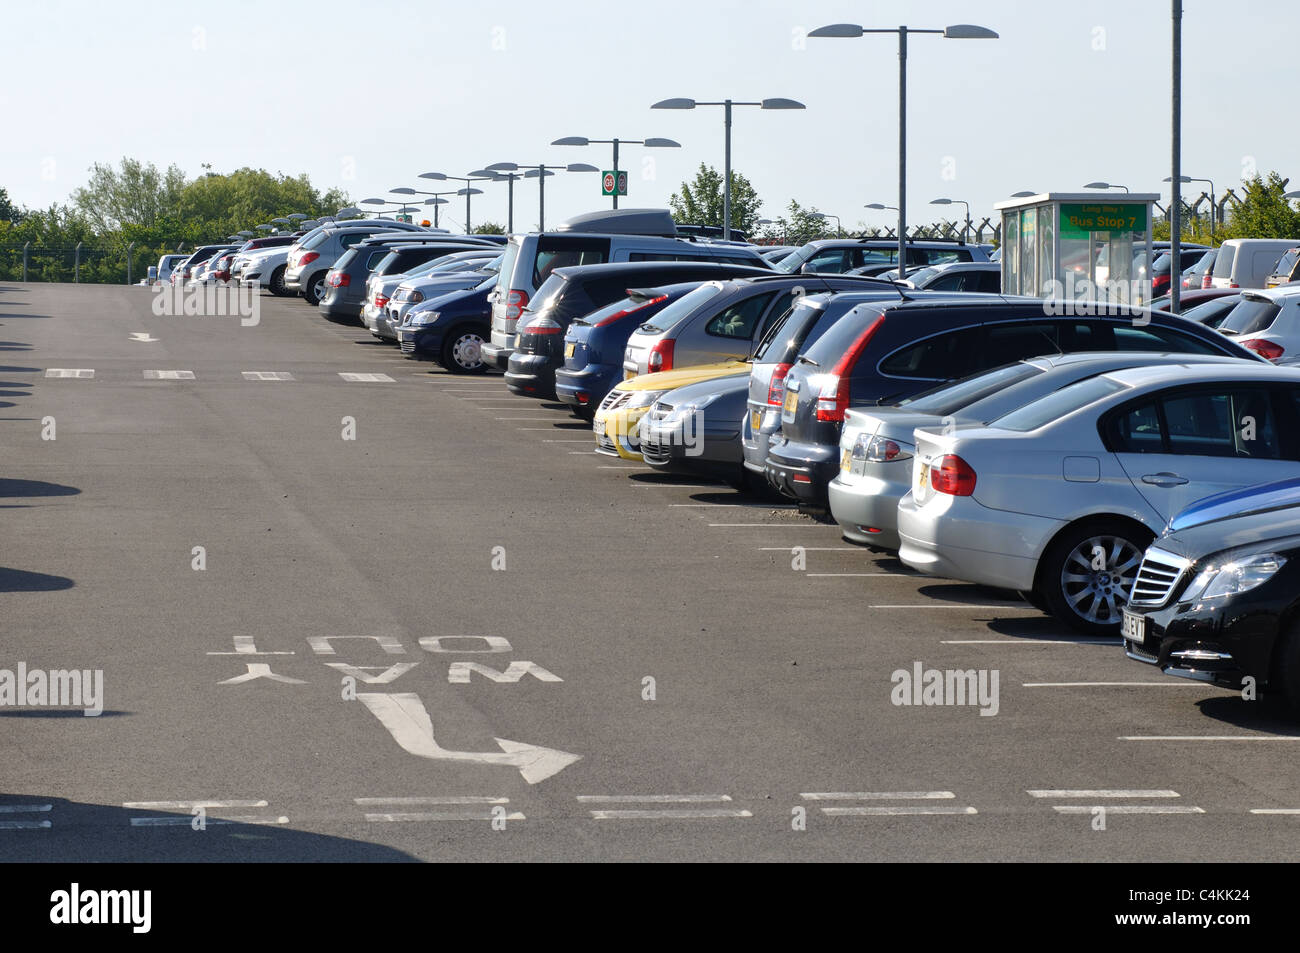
(1079, 246)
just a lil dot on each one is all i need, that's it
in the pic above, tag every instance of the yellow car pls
(619, 415)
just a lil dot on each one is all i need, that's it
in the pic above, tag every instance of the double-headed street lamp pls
(727, 104)
(467, 191)
(538, 172)
(960, 31)
(401, 209)
(965, 228)
(435, 201)
(648, 143)
(1213, 208)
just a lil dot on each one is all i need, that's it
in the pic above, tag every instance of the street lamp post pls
(401, 209)
(652, 143)
(538, 172)
(726, 104)
(1106, 185)
(960, 31)
(839, 229)
(965, 228)
(467, 191)
(1213, 207)
(435, 201)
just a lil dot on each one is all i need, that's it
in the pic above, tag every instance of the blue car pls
(593, 345)
(450, 329)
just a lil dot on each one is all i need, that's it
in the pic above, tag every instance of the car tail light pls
(516, 301)
(1263, 348)
(1233, 284)
(952, 475)
(340, 279)
(833, 400)
(776, 389)
(1206, 280)
(626, 311)
(542, 325)
(884, 450)
(381, 300)
(308, 258)
(661, 357)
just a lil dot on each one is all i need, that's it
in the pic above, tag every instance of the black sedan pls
(1217, 594)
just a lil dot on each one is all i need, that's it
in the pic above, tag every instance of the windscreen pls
(683, 307)
(949, 398)
(1058, 404)
(1250, 316)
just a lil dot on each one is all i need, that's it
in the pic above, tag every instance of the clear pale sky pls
(366, 95)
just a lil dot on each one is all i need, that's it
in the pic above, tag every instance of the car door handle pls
(1164, 479)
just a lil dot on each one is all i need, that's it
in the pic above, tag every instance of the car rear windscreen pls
(949, 398)
(1250, 316)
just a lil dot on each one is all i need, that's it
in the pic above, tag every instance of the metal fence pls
(81, 262)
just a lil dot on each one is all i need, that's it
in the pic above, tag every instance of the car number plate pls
(598, 427)
(628, 375)
(846, 460)
(924, 472)
(569, 348)
(755, 420)
(791, 402)
(1134, 627)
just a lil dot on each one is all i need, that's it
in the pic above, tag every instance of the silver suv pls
(312, 258)
(592, 239)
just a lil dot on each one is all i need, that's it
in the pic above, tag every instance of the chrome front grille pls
(1157, 578)
(615, 399)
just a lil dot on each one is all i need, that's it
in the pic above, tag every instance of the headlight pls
(1230, 579)
(424, 317)
(643, 398)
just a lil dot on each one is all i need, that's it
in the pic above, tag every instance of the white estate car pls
(876, 444)
(1059, 498)
(1267, 322)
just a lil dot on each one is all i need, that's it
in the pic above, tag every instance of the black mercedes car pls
(1217, 595)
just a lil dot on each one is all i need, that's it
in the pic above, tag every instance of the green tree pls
(8, 211)
(700, 201)
(800, 225)
(489, 228)
(1263, 212)
(137, 194)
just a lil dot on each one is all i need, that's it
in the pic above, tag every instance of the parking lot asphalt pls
(463, 635)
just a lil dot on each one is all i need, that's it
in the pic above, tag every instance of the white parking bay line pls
(878, 796)
(1275, 810)
(651, 798)
(480, 815)
(735, 506)
(960, 605)
(188, 821)
(568, 441)
(1029, 642)
(1101, 793)
(169, 375)
(854, 575)
(822, 549)
(535, 420)
(671, 814)
(366, 378)
(267, 375)
(774, 526)
(25, 825)
(1126, 809)
(187, 805)
(81, 373)
(1169, 684)
(428, 801)
(901, 810)
(1209, 737)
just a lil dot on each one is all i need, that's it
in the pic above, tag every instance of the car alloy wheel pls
(317, 288)
(1097, 577)
(1086, 575)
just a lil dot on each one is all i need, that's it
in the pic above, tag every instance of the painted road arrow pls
(142, 336)
(407, 720)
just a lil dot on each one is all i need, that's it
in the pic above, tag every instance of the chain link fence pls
(82, 262)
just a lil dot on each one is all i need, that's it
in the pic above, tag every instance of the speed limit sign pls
(607, 183)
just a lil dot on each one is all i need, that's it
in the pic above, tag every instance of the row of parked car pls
(1134, 475)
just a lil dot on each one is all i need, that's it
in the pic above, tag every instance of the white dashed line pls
(899, 811)
(25, 825)
(671, 814)
(81, 373)
(1028, 641)
(1275, 810)
(1169, 684)
(169, 375)
(878, 796)
(1100, 793)
(651, 798)
(1125, 809)
(352, 378)
(267, 375)
(640, 814)
(1209, 737)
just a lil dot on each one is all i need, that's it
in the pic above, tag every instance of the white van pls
(629, 234)
(1247, 262)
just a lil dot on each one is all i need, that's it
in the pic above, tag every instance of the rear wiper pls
(808, 360)
(881, 401)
